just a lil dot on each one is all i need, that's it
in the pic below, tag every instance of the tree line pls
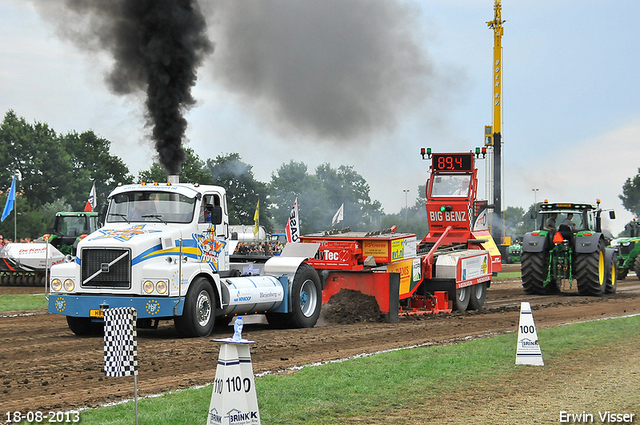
(56, 171)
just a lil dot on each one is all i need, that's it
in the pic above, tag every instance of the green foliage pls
(243, 190)
(514, 222)
(321, 195)
(292, 181)
(51, 167)
(631, 194)
(91, 153)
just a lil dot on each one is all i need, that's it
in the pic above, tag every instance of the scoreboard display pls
(452, 161)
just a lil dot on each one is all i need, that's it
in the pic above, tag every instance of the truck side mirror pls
(612, 215)
(102, 214)
(216, 214)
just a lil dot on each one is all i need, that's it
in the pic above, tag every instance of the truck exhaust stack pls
(173, 178)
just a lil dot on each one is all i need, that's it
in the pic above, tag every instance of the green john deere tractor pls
(628, 250)
(70, 227)
(514, 252)
(559, 251)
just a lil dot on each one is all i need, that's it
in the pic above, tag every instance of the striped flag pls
(92, 202)
(292, 228)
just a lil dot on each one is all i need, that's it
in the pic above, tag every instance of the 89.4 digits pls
(452, 162)
(43, 417)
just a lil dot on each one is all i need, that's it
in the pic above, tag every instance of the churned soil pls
(45, 366)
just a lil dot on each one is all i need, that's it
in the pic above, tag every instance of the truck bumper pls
(90, 305)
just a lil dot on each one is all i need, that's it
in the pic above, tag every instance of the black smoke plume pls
(156, 46)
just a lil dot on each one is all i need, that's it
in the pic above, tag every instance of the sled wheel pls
(477, 296)
(198, 316)
(590, 271)
(463, 295)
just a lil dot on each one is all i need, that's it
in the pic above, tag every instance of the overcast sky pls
(367, 84)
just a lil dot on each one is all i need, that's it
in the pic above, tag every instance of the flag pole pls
(15, 213)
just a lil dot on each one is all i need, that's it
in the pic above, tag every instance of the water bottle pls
(237, 329)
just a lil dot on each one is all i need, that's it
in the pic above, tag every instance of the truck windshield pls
(150, 207)
(456, 185)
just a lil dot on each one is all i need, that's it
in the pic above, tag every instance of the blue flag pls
(10, 199)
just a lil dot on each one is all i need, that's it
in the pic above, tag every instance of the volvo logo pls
(104, 267)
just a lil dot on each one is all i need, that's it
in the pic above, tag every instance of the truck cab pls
(164, 250)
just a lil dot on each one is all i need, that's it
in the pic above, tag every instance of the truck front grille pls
(106, 268)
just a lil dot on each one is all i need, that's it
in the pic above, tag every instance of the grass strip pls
(22, 302)
(378, 385)
(508, 275)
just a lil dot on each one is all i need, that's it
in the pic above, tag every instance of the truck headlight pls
(161, 287)
(69, 285)
(147, 286)
(56, 285)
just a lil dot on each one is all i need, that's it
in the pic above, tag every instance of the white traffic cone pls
(528, 351)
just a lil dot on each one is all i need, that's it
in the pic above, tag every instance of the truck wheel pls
(636, 266)
(198, 316)
(463, 295)
(534, 272)
(612, 275)
(591, 270)
(477, 296)
(83, 326)
(306, 298)
(278, 320)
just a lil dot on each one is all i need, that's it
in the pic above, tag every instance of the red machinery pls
(451, 267)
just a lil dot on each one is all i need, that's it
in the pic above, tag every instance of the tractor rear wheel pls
(591, 270)
(612, 275)
(636, 266)
(534, 272)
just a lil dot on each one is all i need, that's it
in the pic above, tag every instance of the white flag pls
(292, 228)
(339, 216)
(92, 202)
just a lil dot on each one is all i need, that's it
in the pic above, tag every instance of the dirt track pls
(45, 366)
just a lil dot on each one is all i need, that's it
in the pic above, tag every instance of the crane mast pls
(495, 139)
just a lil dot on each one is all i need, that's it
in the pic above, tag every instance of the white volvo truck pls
(165, 250)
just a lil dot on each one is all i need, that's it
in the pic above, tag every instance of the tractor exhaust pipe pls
(173, 178)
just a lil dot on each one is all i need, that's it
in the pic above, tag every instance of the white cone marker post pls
(233, 399)
(528, 351)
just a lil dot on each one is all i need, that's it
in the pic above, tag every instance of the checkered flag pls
(120, 342)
